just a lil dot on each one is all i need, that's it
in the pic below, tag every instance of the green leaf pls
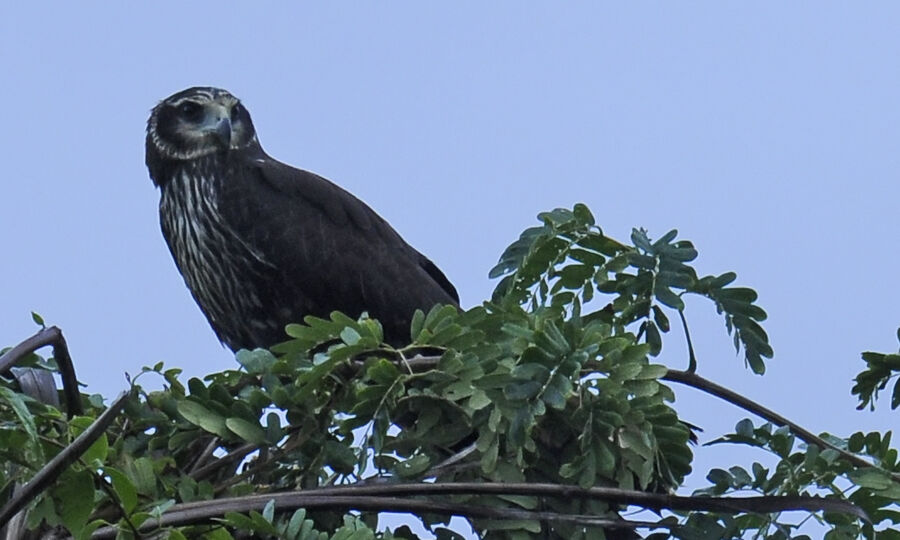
(665, 240)
(416, 325)
(554, 397)
(350, 336)
(738, 294)
(855, 442)
(583, 214)
(531, 372)
(519, 426)
(683, 252)
(604, 457)
(306, 333)
(870, 478)
(75, 492)
(143, 477)
(247, 431)
(38, 320)
(516, 330)
(294, 525)
(437, 315)
(255, 361)
(124, 489)
(175, 534)
(895, 395)
(98, 449)
(722, 280)
(522, 390)
(17, 404)
(513, 256)
(601, 244)
(413, 467)
(720, 478)
(273, 428)
(261, 525)
(667, 297)
(479, 400)
(382, 371)
(652, 371)
(624, 371)
(654, 340)
(587, 257)
(198, 389)
(640, 239)
(573, 276)
(744, 428)
(643, 262)
(889, 361)
(239, 521)
(202, 417)
(557, 216)
(660, 318)
(268, 512)
(635, 441)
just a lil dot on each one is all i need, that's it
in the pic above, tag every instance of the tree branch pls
(696, 381)
(387, 498)
(420, 364)
(230, 458)
(197, 513)
(51, 335)
(55, 467)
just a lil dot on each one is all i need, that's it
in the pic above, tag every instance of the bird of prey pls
(261, 244)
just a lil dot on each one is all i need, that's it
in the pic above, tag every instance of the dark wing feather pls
(331, 250)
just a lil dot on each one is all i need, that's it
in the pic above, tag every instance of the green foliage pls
(566, 263)
(556, 379)
(811, 467)
(881, 369)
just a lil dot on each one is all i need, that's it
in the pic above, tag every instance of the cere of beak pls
(223, 131)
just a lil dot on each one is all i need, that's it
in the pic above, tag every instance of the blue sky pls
(767, 133)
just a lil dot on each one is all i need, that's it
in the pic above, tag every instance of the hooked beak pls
(222, 131)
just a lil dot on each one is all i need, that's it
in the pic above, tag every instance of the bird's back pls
(333, 251)
(269, 244)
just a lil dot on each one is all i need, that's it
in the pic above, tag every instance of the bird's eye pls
(190, 110)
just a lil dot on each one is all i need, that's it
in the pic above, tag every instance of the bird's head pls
(197, 122)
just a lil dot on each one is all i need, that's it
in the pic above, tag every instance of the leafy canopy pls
(552, 382)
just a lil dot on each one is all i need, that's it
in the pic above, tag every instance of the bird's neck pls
(165, 173)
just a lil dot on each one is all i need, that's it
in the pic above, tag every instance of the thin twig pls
(207, 452)
(55, 467)
(692, 358)
(230, 458)
(696, 381)
(114, 497)
(51, 335)
(242, 451)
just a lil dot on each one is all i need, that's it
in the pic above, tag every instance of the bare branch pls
(231, 458)
(696, 381)
(51, 335)
(208, 450)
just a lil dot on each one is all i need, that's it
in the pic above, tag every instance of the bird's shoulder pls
(306, 191)
(287, 210)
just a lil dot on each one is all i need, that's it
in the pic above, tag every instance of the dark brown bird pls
(261, 244)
